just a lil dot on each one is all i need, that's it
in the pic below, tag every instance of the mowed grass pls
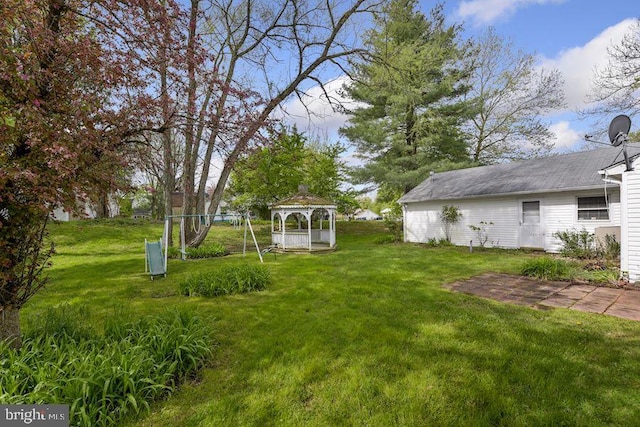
(362, 336)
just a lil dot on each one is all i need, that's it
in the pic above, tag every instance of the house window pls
(531, 212)
(592, 208)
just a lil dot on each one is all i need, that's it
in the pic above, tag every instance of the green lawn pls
(362, 336)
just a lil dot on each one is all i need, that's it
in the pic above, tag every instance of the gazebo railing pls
(300, 238)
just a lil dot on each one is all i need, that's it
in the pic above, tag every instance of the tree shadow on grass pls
(417, 356)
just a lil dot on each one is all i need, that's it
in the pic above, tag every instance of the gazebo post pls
(283, 221)
(309, 226)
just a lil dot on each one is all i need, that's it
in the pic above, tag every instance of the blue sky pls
(569, 35)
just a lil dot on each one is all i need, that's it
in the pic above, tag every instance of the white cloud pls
(488, 11)
(314, 113)
(565, 136)
(578, 64)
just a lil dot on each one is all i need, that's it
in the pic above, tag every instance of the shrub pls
(438, 243)
(577, 244)
(449, 215)
(609, 248)
(395, 226)
(207, 251)
(547, 268)
(386, 239)
(103, 378)
(231, 279)
(482, 232)
(212, 250)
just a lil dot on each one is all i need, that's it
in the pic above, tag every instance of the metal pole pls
(244, 241)
(182, 240)
(255, 241)
(166, 242)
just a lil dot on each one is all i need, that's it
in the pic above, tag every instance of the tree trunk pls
(168, 159)
(10, 326)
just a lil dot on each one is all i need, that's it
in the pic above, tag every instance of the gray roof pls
(565, 172)
(302, 198)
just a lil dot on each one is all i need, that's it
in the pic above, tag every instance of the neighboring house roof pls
(565, 172)
(366, 213)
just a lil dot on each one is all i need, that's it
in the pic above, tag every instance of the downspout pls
(404, 222)
(624, 229)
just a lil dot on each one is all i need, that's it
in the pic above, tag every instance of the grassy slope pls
(364, 336)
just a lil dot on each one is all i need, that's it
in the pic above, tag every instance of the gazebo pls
(303, 223)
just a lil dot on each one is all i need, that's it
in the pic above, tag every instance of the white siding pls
(633, 223)
(422, 221)
(558, 213)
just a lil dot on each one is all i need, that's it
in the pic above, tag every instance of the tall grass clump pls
(547, 268)
(211, 250)
(231, 279)
(103, 378)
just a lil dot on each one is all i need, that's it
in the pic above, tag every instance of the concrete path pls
(520, 290)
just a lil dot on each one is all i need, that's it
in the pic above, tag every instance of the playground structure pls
(157, 253)
(155, 264)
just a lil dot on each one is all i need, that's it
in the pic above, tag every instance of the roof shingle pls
(565, 172)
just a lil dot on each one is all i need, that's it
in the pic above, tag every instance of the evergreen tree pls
(409, 91)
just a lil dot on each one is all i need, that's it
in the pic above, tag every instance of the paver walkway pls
(531, 292)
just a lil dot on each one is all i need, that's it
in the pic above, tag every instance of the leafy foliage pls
(229, 279)
(274, 172)
(61, 134)
(208, 250)
(449, 215)
(609, 247)
(577, 244)
(582, 244)
(394, 223)
(547, 268)
(481, 231)
(103, 378)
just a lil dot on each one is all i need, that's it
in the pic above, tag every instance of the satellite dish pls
(618, 129)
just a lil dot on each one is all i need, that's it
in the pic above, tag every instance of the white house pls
(522, 204)
(366, 215)
(629, 182)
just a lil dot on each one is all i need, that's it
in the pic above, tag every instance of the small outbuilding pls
(524, 204)
(366, 215)
(303, 223)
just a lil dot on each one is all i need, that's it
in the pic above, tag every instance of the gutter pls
(515, 193)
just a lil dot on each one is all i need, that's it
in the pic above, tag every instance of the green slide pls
(155, 258)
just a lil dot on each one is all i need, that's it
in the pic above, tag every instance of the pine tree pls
(409, 91)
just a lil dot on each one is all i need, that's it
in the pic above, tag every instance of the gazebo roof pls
(303, 199)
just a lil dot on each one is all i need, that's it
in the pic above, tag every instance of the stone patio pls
(624, 303)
